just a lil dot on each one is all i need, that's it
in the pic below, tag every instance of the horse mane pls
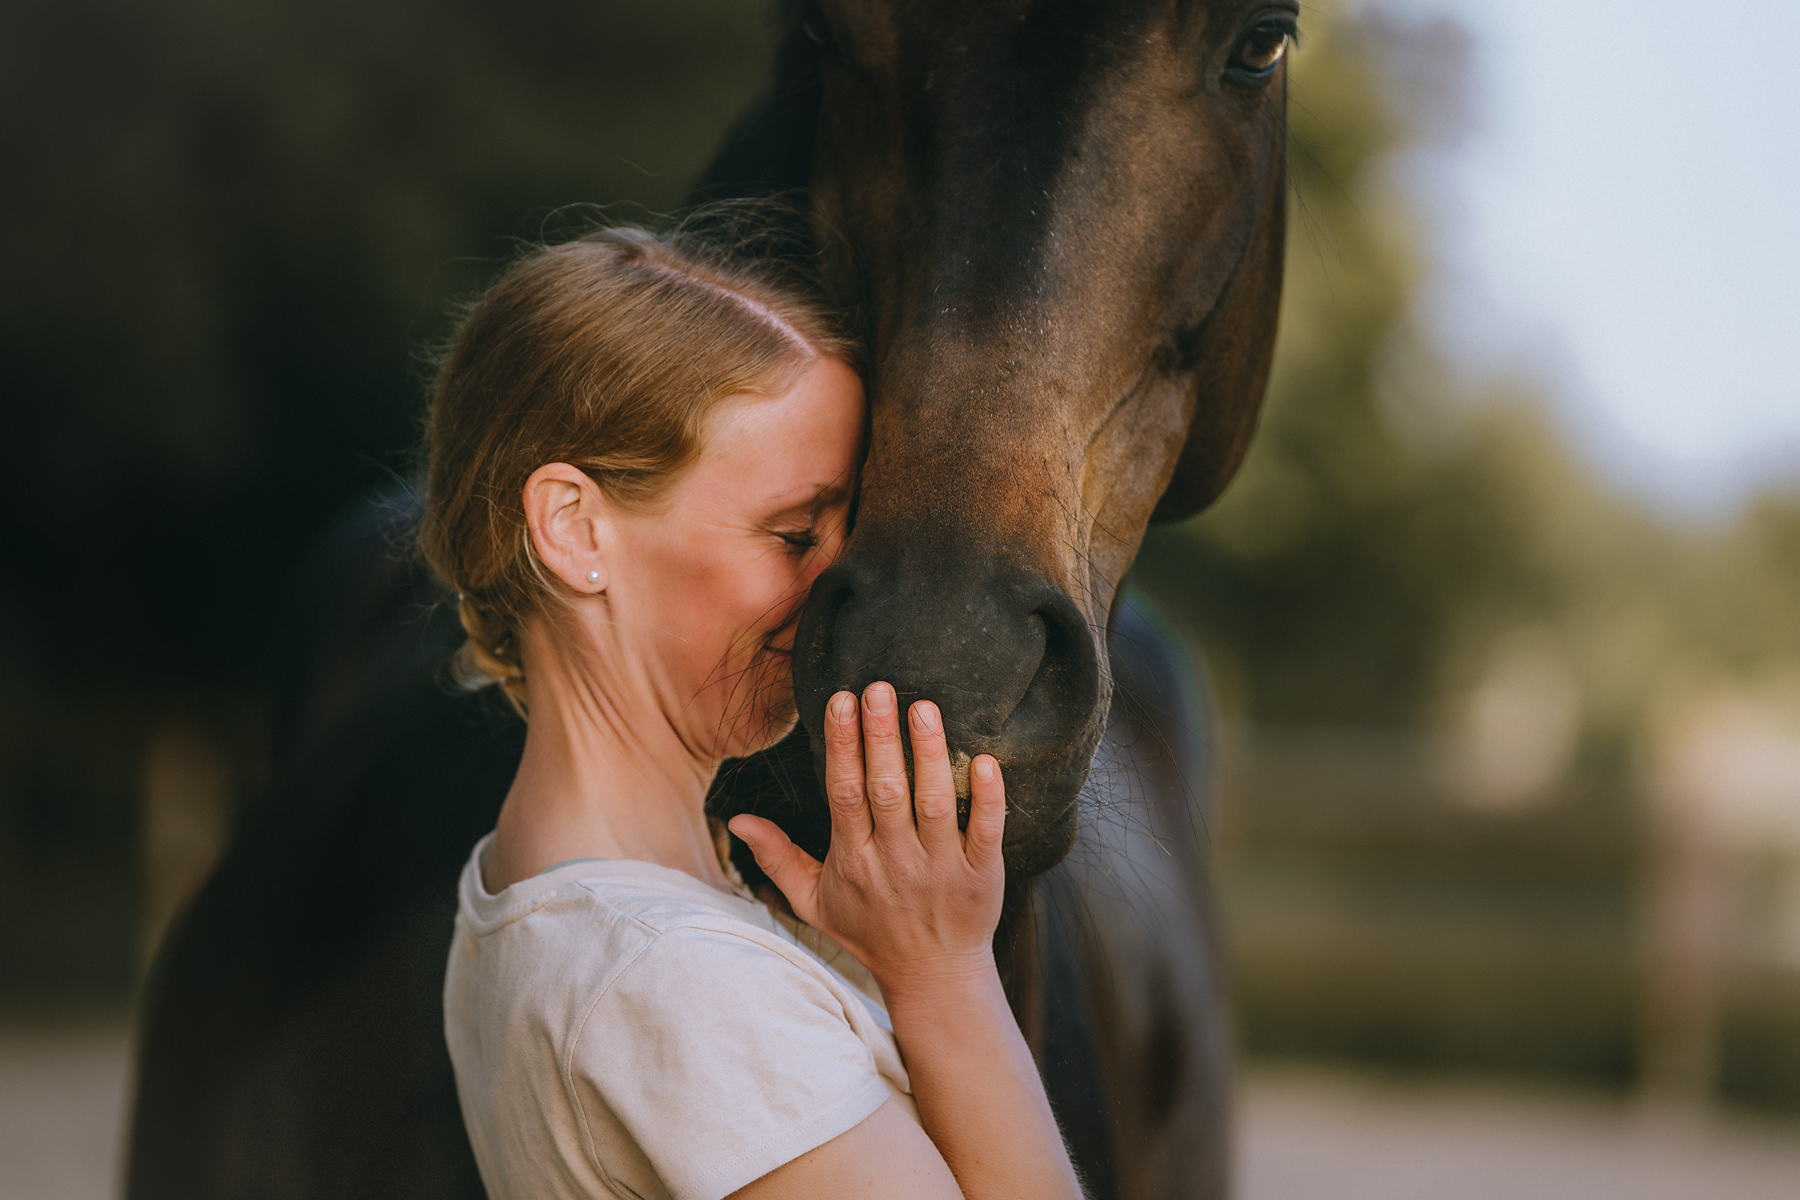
(768, 150)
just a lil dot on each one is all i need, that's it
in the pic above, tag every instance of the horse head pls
(1067, 219)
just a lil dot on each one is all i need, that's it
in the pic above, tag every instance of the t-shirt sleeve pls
(721, 1059)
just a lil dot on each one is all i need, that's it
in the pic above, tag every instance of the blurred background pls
(1503, 612)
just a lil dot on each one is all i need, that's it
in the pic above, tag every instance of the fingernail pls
(843, 706)
(983, 768)
(925, 716)
(879, 699)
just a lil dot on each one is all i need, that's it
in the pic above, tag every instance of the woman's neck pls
(605, 774)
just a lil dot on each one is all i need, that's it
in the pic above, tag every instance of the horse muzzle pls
(1006, 655)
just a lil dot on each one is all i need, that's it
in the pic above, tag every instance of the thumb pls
(789, 867)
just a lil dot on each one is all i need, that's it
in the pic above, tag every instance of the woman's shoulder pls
(652, 896)
(686, 1031)
(726, 1050)
(685, 949)
(595, 925)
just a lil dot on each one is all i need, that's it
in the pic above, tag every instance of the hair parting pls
(609, 352)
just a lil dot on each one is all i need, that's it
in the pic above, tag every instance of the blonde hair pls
(609, 353)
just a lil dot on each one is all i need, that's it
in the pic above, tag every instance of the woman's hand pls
(914, 898)
(917, 900)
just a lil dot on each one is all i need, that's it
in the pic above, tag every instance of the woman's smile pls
(720, 571)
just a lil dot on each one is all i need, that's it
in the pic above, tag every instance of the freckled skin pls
(727, 562)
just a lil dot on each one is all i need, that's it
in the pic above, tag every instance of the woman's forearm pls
(977, 1088)
(916, 899)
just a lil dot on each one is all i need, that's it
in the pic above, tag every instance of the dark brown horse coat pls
(1063, 224)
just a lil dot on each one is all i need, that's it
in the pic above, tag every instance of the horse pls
(1061, 223)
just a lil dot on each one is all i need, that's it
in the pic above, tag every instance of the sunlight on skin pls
(671, 651)
(677, 652)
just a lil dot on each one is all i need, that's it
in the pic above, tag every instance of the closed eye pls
(800, 540)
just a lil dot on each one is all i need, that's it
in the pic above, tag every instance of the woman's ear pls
(571, 526)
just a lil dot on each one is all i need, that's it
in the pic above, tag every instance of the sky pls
(1622, 222)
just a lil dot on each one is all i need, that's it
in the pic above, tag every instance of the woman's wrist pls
(978, 1092)
(941, 981)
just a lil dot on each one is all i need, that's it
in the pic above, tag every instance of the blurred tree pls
(226, 231)
(1389, 528)
(1457, 656)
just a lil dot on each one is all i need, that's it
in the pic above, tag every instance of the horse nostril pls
(1006, 656)
(1059, 700)
(816, 665)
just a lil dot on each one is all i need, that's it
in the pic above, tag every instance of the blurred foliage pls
(226, 231)
(1397, 531)
(1394, 522)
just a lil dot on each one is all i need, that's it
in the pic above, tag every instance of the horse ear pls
(768, 151)
(1236, 346)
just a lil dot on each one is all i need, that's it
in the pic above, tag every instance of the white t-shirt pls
(620, 1028)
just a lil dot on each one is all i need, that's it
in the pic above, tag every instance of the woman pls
(642, 454)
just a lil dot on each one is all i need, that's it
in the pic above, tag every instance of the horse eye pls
(1261, 51)
(817, 28)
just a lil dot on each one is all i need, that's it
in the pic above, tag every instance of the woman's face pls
(714, 579)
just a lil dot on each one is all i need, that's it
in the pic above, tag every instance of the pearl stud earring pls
(593, 577)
